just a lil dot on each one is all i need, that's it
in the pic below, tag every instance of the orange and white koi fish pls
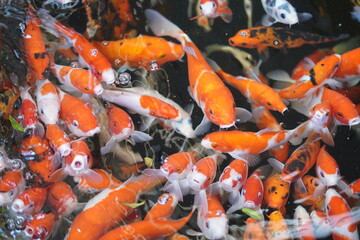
(152, 104)
(78, 116)
(256, 92)
(60, 199)
(242, 144)
(327, 169)
(303, 224)
(90, 185)
(58, 139)
(251, 195)
(40, 226)
(215, 8)
(348, 71)
(175, 168)
(77, 79)
(321, 223)
(30, 201)
(320, 120)
(277, 227)
(276, 192)
(317, 77)
(163, 208)
(312, 195)
(29, 113)
(253, 230)
(35, 50)
(47, 101)
(12, 184)
(140, 51)
(121, 127)
(105, 210)
(88, 54)
(206, 88)
(343, 225)
(151, 229)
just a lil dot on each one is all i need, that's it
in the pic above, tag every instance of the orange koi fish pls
(343, 225)
(12, 184)
(121, 127)
(276, 192)
(215, 8)
(60, 199)
(277, 37)
(152, 229)
(317, 77)
(105, 210)
(206, 88)
(253, 230)
(58, 139)
(321, 223)
(256, 92)
(77, 79)
(277, 227)
(40, 226)
(152, 104)
(348, 71)
(78, 116)
(327, 169)
(30, 201)
(88, 54)
(303, 224)
(299, 163)
(47, 101)
(90, 185)
(140, 51)
(251, 195)
(312, 195)
(34, 47)
(175, 168)
(241, 144)
(163, 208)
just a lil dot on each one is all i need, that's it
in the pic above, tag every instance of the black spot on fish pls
(273, 188)
(263, 30)
(253, 33)
(243, 44)
(36, 55)
(281, 184)
(296, 165)
(312, 77)
(149, 44)
(250, 235)
(121, 43)
(286, 196)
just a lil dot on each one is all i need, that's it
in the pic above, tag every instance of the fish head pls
(49, 112)
(214, 227)
(8, 197)
(78, 165)
(208, 8)
(220, 108)
(231, 180)
(29, 113)
(83, 127)
(183, 126)
(328, 174)
(252, 192)
(197, 180)
(41, 226)
(286, 13)
(108, 76)
(243, 38)
(320, 114)
(336, 207)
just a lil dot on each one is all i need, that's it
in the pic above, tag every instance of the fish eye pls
(337, 171)
(276, 42)
(75, 123)
(268, 103)
(283, 15)
(11, 193)
(239, 178)
(207, 224)
(211, 112)
(322, 174)
(200, 7)
(214, 5)
(316, 183)
(42, 111)
(340, 114)
(213, 145)
(243, 33)
(244, 192)
(259, 194)
(328, 207)
(327, 114)
(55, 5)
(178, 170)
(17, 104)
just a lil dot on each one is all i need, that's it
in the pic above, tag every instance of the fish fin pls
(236, 205)
(146, 123)
(257, 112)
(280, 75)
(196, 17)
(203, 127)
(305, 16)
(200, 201)
(278, 166)
(319, 191)
(190, 50)
(300, 186)
(193, 233)
(344, 187)
(234, 197)
(262, 131)
(215, 188)
(226, 11)
(243, 115)
(108, 146)
(326, 137)
(56, 160)
(323, 231)
(93, 176)
(189, 108)
(333, 84)
(139, 137)
(253, 160)
(58, 175)
(48, 22)
(263, 53)
(301, 200)
(39, 129)
(226, 17)
(267, 20)
(213, 64)
(211, 21)
(153, 172)
(173, 188)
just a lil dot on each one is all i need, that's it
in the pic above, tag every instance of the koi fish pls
(159, 228)
(78, 116)
(348, 71)
(58, 139)
(30, 201)
(60, 199)
(317, 77)
(163, 208)
(88, 54)
(152, 104)
(277, 227)
(321, 223)
(276, 192)
(121, 127)
(281, 11)
(34, 47)
(303, 224)
(312, 195)
(276, 37)
(77, 79)
(327, 169)
(10, 102)
(47, 101)
(90, 185)
(215, 8)
(205, 85)
(343, 225)
(140, 51)
(253, 230)
(251, 195)
(12, 184)
(105, 210)
(40, 226)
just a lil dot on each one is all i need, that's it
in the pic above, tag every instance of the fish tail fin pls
(53, 26)
(108, 146)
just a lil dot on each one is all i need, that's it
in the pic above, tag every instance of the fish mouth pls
(227, 126)
(231, 42)
(354, 121)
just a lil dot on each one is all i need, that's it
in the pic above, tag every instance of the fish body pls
(349, 70)
(140, 51)
(30, 201)
(29, 113)
(61, 199)
(47, 101)
(58, 139)
(163, 208)
(40, 226)
(276, 192)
